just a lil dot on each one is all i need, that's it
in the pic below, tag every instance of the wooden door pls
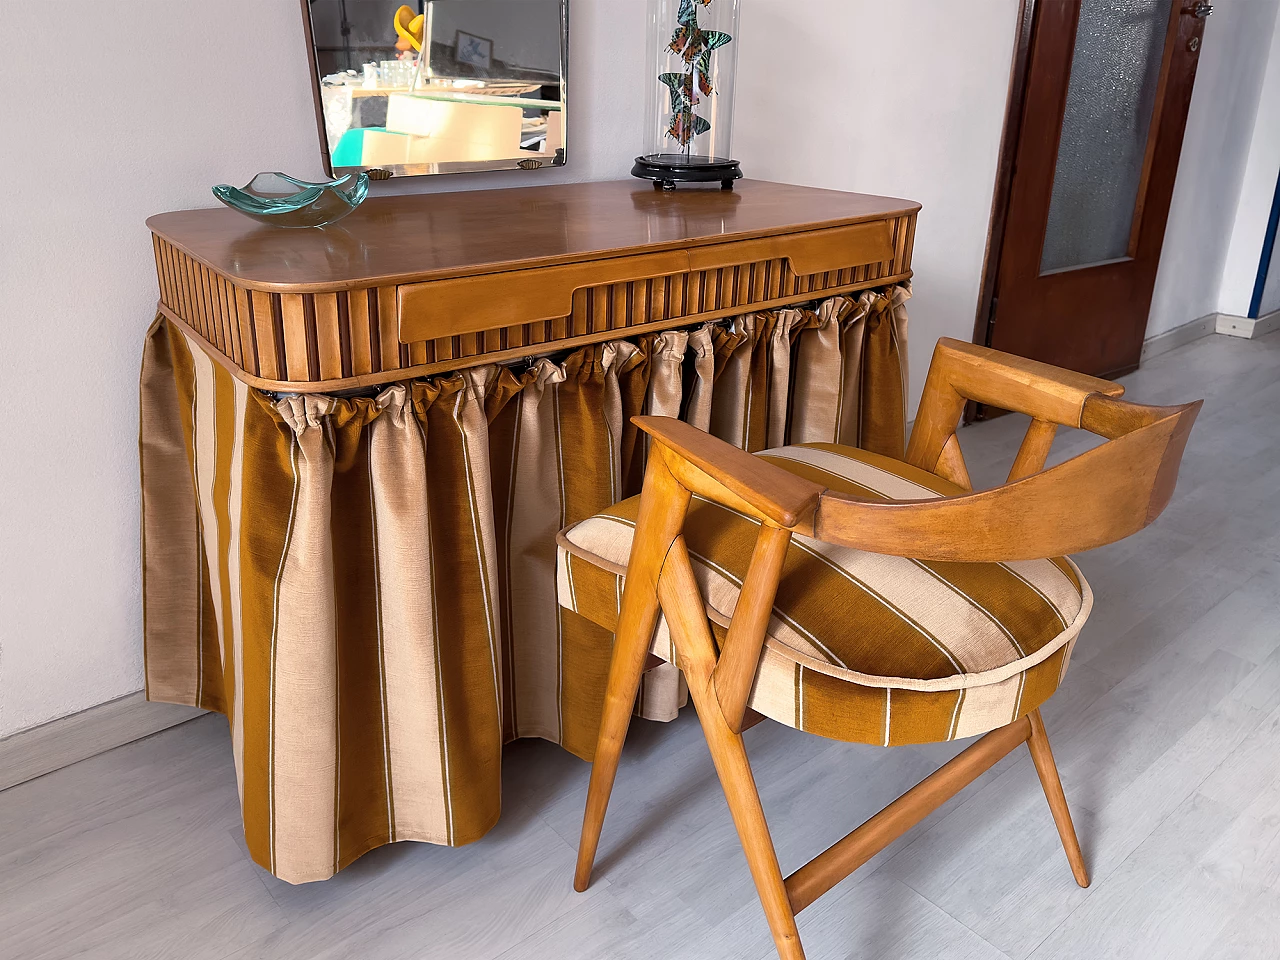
(1094, 146)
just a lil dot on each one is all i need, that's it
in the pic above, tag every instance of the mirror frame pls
(460, 166)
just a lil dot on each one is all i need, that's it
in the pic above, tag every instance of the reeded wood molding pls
(316, 342)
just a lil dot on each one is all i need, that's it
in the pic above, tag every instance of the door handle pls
(1200, 10)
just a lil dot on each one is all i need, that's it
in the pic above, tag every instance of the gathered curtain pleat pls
(365, 586)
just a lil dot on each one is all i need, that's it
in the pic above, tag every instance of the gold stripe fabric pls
(366, 585)
(861, 646)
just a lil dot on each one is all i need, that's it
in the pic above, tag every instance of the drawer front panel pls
(816, 251)
(764, 270)
(462, 305)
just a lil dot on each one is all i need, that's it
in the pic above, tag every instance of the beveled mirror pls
(438, 86)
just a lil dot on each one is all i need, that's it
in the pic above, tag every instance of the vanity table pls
(358, 442)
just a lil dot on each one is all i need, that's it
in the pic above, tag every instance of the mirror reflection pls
(440, 86)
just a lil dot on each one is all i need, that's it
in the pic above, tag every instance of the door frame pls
(1009, 134)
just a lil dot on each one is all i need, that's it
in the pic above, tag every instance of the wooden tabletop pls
(390, 239)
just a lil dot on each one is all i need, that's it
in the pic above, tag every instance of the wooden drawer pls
(814, 251)
(462, 305)
(466, 305)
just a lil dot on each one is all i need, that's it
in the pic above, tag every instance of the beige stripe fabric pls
(820, 397)
(366, 585)
(863, 647)
(740, 401)
(172, 555)
(414, 765)
(697, 409)
(304, 675)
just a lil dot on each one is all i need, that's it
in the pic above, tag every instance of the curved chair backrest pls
(1098, 497)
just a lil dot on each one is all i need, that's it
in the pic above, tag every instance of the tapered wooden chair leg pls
(1042, 757)
(729, 755)
(624, 684)
(687, 618)
(663, 504)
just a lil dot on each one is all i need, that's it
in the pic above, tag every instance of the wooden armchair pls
(867, 599)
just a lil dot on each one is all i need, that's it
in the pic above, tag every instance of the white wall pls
(1207, 195)
(1257, 190)
(225, 94)
(905, 99)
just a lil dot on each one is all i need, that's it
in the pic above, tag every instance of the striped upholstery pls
(861, 647)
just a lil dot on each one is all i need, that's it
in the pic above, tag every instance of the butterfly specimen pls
(694, 45)
(681, 85)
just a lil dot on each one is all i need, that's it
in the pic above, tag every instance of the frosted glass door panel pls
(1115, 72)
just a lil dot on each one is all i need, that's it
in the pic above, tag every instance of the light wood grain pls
(684, 608)
(722, 471)
(805, 253)
(389, 240)
(1034, 451)
(853, 850)
(458, 305)
(1047, 770)
(735, 670)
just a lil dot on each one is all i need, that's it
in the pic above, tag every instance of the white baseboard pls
(1178, 336)
(1223, 323)
(59, 743)
(1247, 327)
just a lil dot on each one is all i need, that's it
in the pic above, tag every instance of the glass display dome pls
(689, 112)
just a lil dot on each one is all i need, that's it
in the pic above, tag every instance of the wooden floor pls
(1167, 733)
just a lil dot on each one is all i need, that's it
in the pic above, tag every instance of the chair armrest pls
(719, 468)
(964, 371)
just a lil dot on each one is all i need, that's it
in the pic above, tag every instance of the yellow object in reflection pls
(409, 27)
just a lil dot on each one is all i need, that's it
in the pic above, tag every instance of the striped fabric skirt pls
(366, 585)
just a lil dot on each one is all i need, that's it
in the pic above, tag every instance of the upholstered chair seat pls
(861, 647)
(866, 599)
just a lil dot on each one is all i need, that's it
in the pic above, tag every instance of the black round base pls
(668, 169)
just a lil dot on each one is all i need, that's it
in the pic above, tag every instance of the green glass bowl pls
(285, 201)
